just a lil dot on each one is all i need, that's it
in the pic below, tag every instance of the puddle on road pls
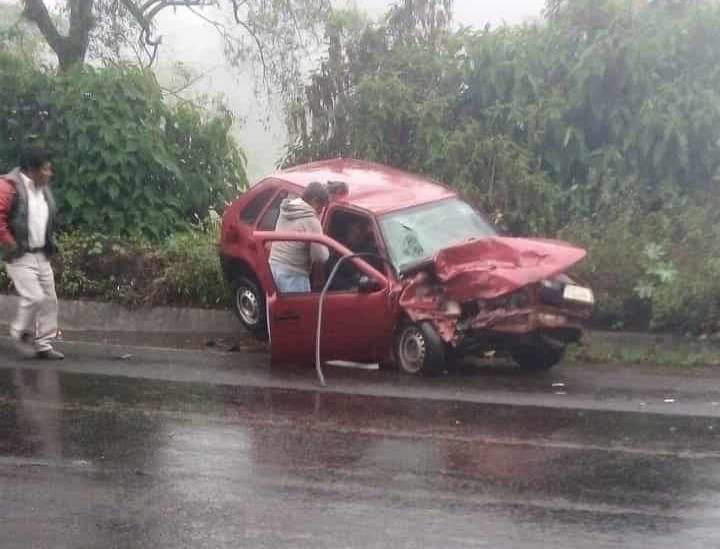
(208, 445)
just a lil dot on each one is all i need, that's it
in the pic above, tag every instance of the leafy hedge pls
(181, 270)
(126, 160)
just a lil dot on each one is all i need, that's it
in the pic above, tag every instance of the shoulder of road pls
(201, 346)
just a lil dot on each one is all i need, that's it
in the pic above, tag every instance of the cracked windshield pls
(417, 234)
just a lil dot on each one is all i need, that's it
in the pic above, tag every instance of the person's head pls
(317, 196)
(35, 163)
(357, 233)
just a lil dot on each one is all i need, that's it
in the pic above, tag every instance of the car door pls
(357, 325)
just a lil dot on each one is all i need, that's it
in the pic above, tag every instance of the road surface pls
(123, 446)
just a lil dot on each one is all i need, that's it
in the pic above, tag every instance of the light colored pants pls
(33, 278)
(289, 281)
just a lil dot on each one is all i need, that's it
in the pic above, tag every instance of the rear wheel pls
(538, 356)
(249, 305)
(419, 349)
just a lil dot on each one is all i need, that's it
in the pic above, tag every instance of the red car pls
(437, 282)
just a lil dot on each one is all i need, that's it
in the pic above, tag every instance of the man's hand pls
(8, 248)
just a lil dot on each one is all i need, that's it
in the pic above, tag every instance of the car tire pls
(249, 306)
(419, 350)
(539, 356)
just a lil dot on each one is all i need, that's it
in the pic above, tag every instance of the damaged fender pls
(481, 269)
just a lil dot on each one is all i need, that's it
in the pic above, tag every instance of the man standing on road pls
(27, 214)
(291, 262)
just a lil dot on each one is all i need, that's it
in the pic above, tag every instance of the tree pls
(126, 161)
(319, 120)
(272, 32)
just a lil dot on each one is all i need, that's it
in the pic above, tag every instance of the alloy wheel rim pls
(247, 305)
(413, 350)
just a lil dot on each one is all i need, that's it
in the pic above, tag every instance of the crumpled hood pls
(491, 267)
(296, 208)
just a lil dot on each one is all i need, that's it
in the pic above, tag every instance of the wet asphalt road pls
(203, 449)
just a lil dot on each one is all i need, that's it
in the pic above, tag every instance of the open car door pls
(357, 323)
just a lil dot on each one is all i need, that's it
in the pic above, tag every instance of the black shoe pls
(50, 354)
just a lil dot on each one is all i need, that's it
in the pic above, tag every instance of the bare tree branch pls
(227, 36)
(36, 11)
(147, 5)
(144, 23)
(188, 83)
(270, 33)
(149, 15)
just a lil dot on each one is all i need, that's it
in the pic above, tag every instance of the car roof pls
(372, 187)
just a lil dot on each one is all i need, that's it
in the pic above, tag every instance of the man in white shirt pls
(27, 214)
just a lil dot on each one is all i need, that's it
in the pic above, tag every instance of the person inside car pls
(358, 238)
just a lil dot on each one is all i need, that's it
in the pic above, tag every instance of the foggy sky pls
(260, 128)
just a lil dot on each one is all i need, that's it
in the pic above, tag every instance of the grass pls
(647, 351)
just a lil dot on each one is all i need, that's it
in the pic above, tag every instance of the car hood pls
(491, 267)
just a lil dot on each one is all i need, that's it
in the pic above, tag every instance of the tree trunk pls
(70, 49)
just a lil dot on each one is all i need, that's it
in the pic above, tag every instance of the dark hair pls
(316, 192)
(33, 158)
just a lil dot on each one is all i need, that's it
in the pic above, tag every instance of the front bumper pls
(506, 328)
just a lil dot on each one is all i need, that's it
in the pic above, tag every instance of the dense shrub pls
(180, 270)
(126, 161)
(601, 125)
(657, 271)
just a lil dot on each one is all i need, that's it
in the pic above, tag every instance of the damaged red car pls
(432, 281)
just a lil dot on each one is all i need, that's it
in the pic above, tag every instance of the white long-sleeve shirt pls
(38, 213)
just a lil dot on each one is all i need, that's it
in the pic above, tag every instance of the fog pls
(260, 127)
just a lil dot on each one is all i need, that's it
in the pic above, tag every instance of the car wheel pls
(539, 356)
(249, 305)
(419, 349)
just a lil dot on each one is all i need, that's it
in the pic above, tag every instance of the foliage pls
(181, 270)
(125, 160)
(274, 34)
(659, 271)
(601, 124)
(608, 98)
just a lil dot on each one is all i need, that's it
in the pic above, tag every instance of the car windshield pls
(417, 234)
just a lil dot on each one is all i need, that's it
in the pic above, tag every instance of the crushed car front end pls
(502, 294)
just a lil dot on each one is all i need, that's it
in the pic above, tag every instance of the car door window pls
(355, 231)
(250, 212)
(270, 217)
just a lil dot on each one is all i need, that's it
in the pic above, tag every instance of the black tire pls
(419, 350)
(249, 306)
(539, 356)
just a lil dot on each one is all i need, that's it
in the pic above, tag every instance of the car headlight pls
(453, 308)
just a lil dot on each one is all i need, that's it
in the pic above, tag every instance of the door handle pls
(287, 315)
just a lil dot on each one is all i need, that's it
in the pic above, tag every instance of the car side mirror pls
(368, 285)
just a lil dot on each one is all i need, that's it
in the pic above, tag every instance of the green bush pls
(601, 125)
(658, 271)
(126, 160)
(181, 270)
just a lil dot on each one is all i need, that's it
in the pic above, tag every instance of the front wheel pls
(419, 349)
(249, 306)
(538, 356)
